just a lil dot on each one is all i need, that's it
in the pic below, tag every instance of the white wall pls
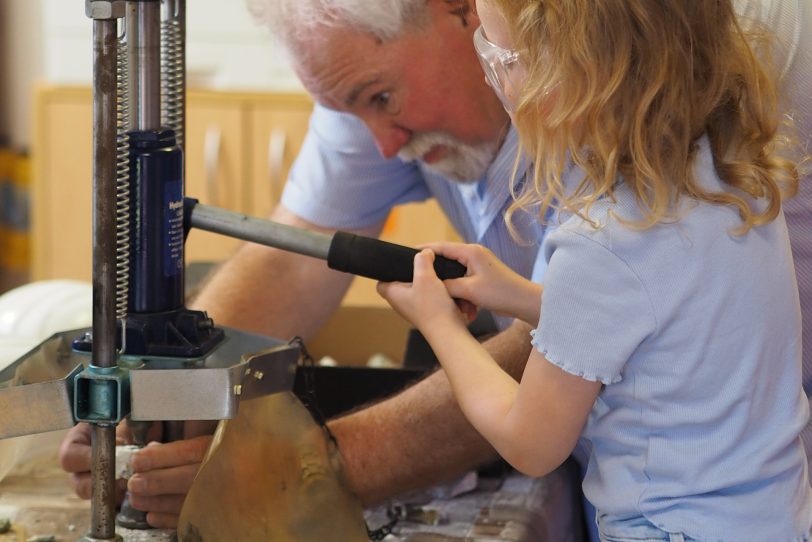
(51, 41)
(225, 49)
(22, 64)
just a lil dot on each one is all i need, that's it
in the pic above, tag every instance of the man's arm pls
(420, 436)
(273, 292)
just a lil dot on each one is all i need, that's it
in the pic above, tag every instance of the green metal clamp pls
(101, 395)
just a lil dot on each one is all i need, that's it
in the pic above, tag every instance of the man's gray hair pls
(293, 21)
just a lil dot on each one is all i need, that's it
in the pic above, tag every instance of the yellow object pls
(6, 160)
(16, 255)
(15, 178)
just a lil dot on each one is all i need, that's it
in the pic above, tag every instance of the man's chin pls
(464, 175)
(458, 162)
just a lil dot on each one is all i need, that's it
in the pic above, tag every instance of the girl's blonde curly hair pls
(635, 84)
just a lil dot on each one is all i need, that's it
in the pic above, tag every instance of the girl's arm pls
(534, 424)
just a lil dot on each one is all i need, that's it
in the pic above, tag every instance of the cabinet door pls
(215, 168)
(61, 202)
(277, 130)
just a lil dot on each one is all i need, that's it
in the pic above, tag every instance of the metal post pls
(144, 42)
(104, 14)
(103, 499)
(104, 194)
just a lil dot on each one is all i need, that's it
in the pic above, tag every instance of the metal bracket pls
(49, 388)
(214, 391)
(37, 407)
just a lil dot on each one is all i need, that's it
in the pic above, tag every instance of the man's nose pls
(389, 138)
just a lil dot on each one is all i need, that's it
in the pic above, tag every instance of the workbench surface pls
(510, 507)
(39, 502)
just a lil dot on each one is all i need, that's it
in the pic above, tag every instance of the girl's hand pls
(425, 302)
(490, 284)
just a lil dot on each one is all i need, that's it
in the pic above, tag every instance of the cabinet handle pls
(212, 144)
(277, 149)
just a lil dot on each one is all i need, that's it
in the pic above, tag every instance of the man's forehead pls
(339, 65)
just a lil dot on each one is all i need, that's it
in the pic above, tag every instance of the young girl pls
(667, 325)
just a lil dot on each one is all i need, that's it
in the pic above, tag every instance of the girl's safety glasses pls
(497, 63)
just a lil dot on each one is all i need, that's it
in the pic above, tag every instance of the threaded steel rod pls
(104, 265)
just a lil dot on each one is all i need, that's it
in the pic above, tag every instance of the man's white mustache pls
(463, 162)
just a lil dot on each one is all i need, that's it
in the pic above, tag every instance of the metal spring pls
(122, 189)
(172, 78)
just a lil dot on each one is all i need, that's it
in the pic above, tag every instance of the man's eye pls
(380, 100)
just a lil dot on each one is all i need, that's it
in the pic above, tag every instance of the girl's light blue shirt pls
(696, 334)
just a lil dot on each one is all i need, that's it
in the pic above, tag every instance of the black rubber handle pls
(379, 260)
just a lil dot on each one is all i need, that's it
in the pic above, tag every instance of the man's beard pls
(463, 162)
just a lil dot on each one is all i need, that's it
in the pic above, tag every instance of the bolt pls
(206, 323)
(105, 9)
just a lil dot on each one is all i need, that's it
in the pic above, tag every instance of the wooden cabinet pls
(277, 129)
(61, 204)
(239, 148)
(216, 169)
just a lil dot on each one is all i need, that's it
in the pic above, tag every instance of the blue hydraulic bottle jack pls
(158, 324)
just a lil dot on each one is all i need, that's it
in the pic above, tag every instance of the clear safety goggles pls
(497, 63)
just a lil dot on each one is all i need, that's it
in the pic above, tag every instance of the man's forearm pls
(269, 292)
(420, 437)
(273, 292)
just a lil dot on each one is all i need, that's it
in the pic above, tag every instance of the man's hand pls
(163, 474)
(75, 457)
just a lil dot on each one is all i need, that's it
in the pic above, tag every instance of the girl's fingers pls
(452, 251)
(424, 265)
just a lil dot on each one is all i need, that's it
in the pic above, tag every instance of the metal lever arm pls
(364, 256)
